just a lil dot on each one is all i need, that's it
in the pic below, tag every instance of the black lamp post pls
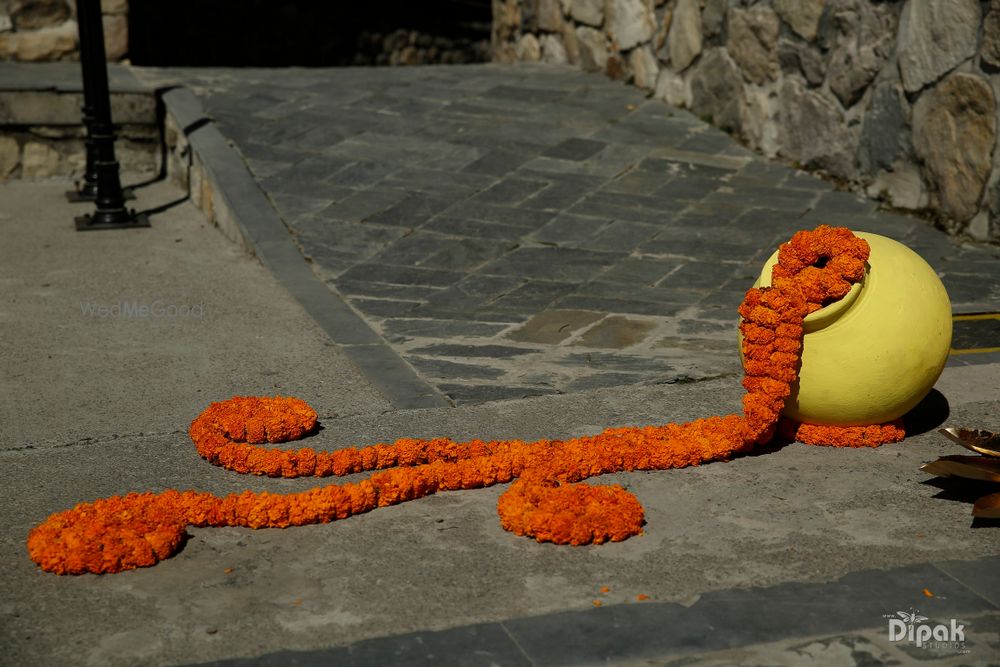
(102, 167)
(87, 190)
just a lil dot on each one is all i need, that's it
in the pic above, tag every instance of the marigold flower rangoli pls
(547, 501)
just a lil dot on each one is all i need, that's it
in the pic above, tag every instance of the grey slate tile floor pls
(517, 231)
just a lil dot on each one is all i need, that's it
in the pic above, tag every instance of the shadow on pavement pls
(929, 414)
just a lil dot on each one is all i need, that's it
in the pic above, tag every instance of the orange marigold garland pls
(843, 436)
(547, 500)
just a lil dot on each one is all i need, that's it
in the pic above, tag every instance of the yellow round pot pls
(873, 355)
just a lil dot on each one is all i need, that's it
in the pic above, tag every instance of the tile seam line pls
(513, 639)
(937, 566)
(420, 394)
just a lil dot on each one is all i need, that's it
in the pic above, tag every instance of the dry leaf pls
(986, 443)
(969, 467)
(987, 507)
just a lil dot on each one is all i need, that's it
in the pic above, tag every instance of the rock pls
(59, 132)
(593, 49)
(630, 23)
(861, 36)
(6, 24)
(529, 16)
(954, 132)
(858, 22)
(712, 17)
(664, 16)
(506, 23)
(850, 72)
(715, 89)
(114, 6)
(883, 128)
(672, 89)
(550, 16)
(935, 36)
(989, 50)
(115, 36)
(644, 67)
(571, 43)
(553, 50)
(802, 16)
(503, 52)
(39, 45)
(408, 55)
(528, 48)
(589, 12)
(813, 132)
(617, 68)
(38, 14)
(506, 13)
(753, 42)
(901, 187)
(684, 38)
(10, 156)
(759, 120)
(979, 228)
(994, 212)
(39, 161)
(807, 61)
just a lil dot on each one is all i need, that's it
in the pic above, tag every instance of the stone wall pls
(45, 30)
(893, 98)
(41, 135)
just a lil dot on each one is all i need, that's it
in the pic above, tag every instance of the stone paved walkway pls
(516, 231)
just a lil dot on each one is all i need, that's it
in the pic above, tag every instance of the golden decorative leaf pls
(986, 443)
(969, 467)
(987, 507)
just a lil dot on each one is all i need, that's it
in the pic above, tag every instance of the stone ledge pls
(41, 130)
(55, 107)
(65, 77)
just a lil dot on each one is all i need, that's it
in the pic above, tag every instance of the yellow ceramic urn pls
(874, 354)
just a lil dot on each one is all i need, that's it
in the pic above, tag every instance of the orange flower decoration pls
(547, 502)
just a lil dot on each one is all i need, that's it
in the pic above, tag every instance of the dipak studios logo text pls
(909, 626)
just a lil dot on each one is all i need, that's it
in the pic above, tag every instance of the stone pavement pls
(522, 230)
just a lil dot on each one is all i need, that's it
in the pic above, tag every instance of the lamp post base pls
(116, 220)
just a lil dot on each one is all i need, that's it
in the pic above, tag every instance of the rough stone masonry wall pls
(41, 135)
(896, 98)
(45, 30)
